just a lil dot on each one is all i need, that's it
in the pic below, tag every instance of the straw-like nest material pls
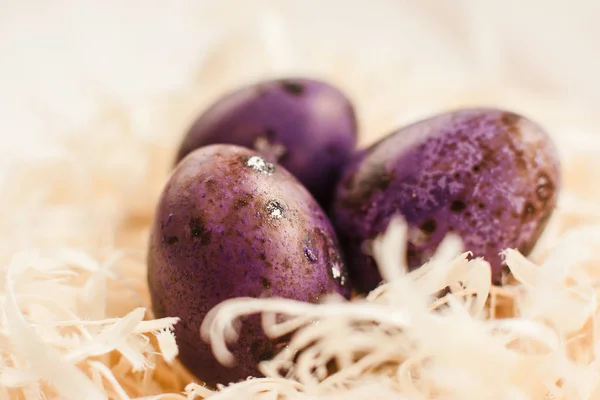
(94, 138)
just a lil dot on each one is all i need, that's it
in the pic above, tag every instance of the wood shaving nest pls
(75, 320)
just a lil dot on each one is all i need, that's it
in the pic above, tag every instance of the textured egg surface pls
(230, 224)
(489, 175)
(306, 125)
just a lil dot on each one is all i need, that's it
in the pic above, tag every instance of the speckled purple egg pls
(306, 125)
(230, 224)
(489, 175)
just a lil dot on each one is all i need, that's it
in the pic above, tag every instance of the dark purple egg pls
(489, 175)
(230, 224)
(306, 125)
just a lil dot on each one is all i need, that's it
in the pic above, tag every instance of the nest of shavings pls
(77, 202)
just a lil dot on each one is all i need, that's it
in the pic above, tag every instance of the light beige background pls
(62, 60)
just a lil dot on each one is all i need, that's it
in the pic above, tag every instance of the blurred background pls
(95, 94)
(60, 60)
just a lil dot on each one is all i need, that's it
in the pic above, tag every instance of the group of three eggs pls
(271, 197)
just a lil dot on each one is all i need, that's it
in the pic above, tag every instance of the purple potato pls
(489, 175)
(229, 224)
(307, 126)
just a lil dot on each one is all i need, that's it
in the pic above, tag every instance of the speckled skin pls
(312, 121)
(230, 225)
(490, 175)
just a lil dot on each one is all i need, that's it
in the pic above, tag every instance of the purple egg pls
(488, 175)
(306, 125)
(230, 224)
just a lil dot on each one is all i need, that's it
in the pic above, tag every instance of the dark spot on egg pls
(265, 283)
(242, 201)
(509, 118)
(292, 87)
(211, 185)
(198, 231)
(382, 179)
(476, 168)
(171, 240)
(457, 206)
(429, 226)
(497, 212)
(271, 134)
(378, 179)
